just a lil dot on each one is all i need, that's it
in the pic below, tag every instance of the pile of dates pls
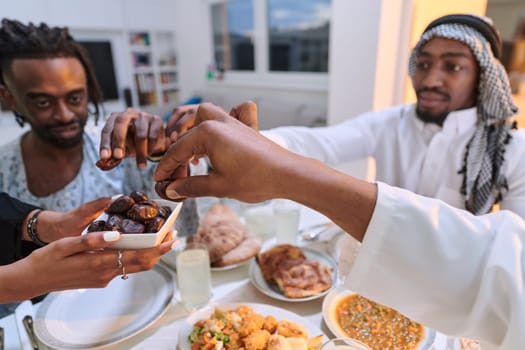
(133, 213)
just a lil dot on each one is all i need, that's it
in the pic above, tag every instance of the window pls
(293, 35)
(232, 23)
(298, 35)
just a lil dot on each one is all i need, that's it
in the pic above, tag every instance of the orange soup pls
(376, 325)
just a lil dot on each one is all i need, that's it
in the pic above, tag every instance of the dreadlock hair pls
(31, 41)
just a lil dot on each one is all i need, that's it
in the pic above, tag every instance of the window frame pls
(262, 76)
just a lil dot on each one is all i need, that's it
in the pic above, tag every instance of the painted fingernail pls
(118, 153)
(104, 154)
(111, 236)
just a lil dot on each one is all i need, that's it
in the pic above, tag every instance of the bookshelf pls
(154, 67)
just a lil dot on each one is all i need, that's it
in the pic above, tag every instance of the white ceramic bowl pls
(146, 240)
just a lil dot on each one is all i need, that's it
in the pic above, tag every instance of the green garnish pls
(195, 334)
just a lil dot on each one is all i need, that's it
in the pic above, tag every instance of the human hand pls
(81, 262)
(184, 117)
(181, 120)
(243, 161)
(53, 225)
(131, 134)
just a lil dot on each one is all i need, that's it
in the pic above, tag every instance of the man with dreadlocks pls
(456, 143)
(47, 80)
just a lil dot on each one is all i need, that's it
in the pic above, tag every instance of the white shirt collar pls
(458, 122)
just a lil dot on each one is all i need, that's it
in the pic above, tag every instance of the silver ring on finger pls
(124, 274)
(119, 259)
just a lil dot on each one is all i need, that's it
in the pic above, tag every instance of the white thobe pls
(445, 268)
(421, 157)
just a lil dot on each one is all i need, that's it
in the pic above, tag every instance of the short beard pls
(44, 134)
(431, 118)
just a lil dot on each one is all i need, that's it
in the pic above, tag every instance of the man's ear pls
(6, 97)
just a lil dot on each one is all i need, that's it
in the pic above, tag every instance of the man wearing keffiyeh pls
(483, 183)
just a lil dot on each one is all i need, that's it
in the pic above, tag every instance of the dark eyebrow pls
(446, 54)
(35, 95)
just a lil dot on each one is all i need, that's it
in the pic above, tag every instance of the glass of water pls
(286, 215)
(194, 276)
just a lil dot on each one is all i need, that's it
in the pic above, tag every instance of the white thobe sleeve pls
(445, 268)
(350, 140)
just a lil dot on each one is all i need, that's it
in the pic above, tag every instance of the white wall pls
(193, 28)
(94, 14)
(367, 55)
(98, 19)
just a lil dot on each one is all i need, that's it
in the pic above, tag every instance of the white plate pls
(232, 266)
(330, 302)
(257, 278)
(146, 240)
(262, 309)
(89, 318)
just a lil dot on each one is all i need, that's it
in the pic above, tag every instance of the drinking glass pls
(259, 219)
(286, 219)
(343, 344)
(194, 276)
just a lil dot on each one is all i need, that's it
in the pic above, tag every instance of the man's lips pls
(66, 130)
(429, 99)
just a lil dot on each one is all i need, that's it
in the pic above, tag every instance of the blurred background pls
(308, 62)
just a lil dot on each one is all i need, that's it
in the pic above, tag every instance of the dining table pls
(228, 286)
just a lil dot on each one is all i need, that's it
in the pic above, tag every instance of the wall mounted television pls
(102, 59)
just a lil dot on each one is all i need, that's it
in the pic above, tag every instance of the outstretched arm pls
(251, 168)
(437, 264)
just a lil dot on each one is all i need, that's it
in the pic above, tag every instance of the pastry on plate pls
(303, 278)
(226, 238)
(248, 248)
(270, 260)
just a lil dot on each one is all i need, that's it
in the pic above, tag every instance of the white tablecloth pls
(228, 286)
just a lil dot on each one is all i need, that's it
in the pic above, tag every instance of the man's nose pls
(64, 112)
(433, 78)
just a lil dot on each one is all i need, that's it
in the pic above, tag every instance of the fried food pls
(295, 275)
(257, 340)
(291, 329)
(314, 343)
(270, 260)
(244, 329)
(303, 278)
(270, 324)
(251, 322)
